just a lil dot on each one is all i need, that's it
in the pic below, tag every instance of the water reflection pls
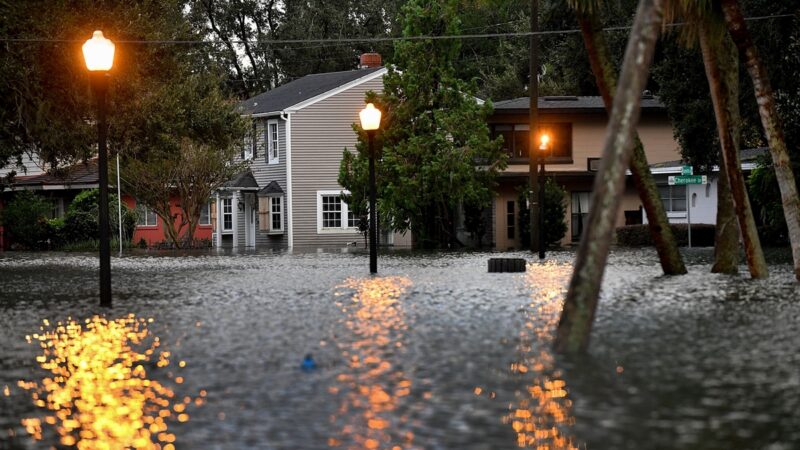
(372, 387)
(541, 415)
(98, 394)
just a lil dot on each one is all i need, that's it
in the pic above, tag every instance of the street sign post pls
(684, 179)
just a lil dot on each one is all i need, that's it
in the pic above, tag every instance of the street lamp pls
(544, 145)
(370, 122)
(98, 52)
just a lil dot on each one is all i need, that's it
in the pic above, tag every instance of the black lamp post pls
(370, 122)
(98, 52)
(543, 146)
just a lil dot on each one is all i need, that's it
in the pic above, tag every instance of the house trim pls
(338, 90)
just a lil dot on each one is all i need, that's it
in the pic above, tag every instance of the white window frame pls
(226, 203)
(671, 212)
(208, 216)
(247, 146)
(272, 211)
(273, 142)
(142, 208)
(343, 229)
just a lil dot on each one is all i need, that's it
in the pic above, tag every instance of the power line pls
(360, 39)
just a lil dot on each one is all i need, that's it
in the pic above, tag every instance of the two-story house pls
(290, 196)
(577, 127)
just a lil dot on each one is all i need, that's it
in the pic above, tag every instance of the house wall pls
(155, 234)
(320, 133)
(588, 137)
(702, 202)
(265, 173)
(30, 166)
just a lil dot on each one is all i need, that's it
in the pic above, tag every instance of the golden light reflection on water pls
(98, 394)
(541, 415)
(371, 387)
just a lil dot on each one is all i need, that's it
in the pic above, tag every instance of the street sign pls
(681, 180)
(687, 170)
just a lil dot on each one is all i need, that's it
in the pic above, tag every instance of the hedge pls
(639, 235)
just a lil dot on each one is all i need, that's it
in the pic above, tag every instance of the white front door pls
(249, 222)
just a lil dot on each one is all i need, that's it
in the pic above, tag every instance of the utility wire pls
(364, 39)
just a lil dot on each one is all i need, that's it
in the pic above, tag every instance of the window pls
(205, 214)
(580, 213)
(276, 214)
(249, 144)
(592, 164)
(510, 219)
(516, 140)
(147, 218)
(227, 214)
(333, 215)
(673, 197)
(272, 142)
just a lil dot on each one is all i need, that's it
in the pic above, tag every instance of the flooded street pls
(306, 351)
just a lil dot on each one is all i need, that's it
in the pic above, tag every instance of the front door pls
(249, 221)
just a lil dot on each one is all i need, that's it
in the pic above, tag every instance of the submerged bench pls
(506, 265)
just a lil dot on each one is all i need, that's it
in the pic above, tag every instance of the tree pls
(600, 60)
(771, 123)
(554, 227)
(721, 65)
(580, 304)
(436, 151)
(184, 151)
(25, 217)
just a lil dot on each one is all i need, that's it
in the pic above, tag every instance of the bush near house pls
(639, 235)
(25, 219)
(81, 223)
(554, 211)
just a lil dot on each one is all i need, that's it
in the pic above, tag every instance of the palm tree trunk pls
(771, 123)
(580, 304)
(726, 236)
(664, 240)
(721, 63)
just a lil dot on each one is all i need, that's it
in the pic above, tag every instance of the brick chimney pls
(369, 60)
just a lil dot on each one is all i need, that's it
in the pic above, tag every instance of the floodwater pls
(207, 351)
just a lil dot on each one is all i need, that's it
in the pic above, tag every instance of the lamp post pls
(370, 122)
(544, 145)
(98, 52)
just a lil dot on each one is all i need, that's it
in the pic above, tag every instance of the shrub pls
(25, 218)
(81, 222)
(554, 209)
(639, 235)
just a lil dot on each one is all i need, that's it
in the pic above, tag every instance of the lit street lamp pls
(544, 145)
(98, 52)
(370, 122)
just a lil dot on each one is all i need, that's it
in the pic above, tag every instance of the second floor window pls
(516, 141)
(272, 142)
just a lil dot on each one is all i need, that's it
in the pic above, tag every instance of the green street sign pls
(680, 180)
(687, 170)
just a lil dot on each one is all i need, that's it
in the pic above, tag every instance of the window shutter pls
(214, 216)
(255, 140)
(263, 213)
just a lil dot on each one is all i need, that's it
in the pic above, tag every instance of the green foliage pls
(435, 148)
(765, 198)
(25, 219)
(639, 235)
(555, 227)
(81, 222)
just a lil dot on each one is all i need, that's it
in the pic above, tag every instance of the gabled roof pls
(76, 176)
(273, 188)
(242, 180)
(300, 90)
(569, 103)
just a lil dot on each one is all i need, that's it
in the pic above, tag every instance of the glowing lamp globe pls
(370, 117)
(544, 141)
(98, 53)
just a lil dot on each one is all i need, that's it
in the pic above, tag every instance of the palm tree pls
(580, 303)
(770, 121)
(605, 78)
(721, 63)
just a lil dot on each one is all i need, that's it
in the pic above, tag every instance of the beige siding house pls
(289, 197)
(577, 126)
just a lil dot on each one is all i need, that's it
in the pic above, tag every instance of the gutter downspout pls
(289, 227)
